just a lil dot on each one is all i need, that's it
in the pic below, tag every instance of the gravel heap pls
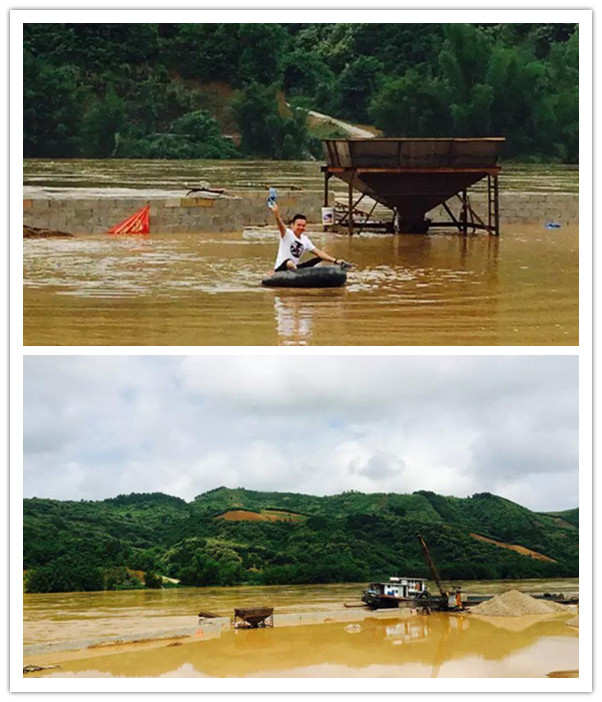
(516, 604)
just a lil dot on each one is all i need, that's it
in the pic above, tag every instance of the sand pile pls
(516, 604)
(574, 621)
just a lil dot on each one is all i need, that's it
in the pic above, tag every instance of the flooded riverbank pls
(384, 644)
(59, 622)
(203, 289)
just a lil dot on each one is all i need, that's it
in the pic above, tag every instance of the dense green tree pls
(52, 108)
(547, 36)
(334, 43)
(264, 131)
(563, 77)
(203, 52)
(109, 89)
(399, 46)
(93, 47)
(144, 559)
(303, 71)
(464, 58)
(201, 570)
(203, 134)
(103, 125)
(120, 578)
(356, 85)
(65, 574)
(412, 106)
(261, 52)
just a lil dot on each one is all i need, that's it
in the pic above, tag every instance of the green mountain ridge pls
(351, 536)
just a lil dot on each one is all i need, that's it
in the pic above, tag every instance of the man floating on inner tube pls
(294, 243)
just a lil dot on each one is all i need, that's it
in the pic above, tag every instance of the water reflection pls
(423, 646)
(472, 244)
(407, 631)
(293, 320)
(295, 311)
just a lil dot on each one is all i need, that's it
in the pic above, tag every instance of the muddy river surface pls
(99, 177)
(204, 289)
(156, 633)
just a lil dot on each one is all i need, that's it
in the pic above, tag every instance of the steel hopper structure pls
(413, 176)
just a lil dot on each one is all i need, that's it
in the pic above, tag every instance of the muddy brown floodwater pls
(203, 289)
(96, 177)
(156, 633)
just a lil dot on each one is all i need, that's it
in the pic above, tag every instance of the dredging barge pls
(402, 592)
(412, 592)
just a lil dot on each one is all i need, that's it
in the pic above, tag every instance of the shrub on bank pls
(64, 575)
(153, 581)
(67, 575)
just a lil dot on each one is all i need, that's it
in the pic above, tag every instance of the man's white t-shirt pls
(292, 247)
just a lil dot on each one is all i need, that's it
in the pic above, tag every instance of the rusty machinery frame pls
(253, 618)
(467, 219)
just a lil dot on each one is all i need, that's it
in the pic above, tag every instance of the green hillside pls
(139, 90)
(569, 515)
(353, 536)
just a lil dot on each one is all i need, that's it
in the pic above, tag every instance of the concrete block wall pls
(248, 208)
(521, 208)
(168, 215)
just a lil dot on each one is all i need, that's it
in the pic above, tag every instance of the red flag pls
(138, 223)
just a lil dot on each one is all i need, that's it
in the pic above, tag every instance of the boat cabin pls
(404, 587)
(397, 588)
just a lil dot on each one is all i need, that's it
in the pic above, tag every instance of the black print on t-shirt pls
(296, 249)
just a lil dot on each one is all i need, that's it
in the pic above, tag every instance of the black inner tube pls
(318, 277)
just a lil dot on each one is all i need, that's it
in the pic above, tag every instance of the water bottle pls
(272, 198)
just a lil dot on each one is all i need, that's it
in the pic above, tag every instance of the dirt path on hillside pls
(352, 130)
(523, 550)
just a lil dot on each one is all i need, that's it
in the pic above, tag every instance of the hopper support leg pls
(350, 206)
(464, 212)
(493, 205)
(489, 204)
(496, 199)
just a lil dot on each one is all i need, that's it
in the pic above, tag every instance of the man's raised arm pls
(279, 222)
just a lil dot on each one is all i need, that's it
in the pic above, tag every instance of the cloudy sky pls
(99, 426)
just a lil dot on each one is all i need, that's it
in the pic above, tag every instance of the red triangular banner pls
(138, 223)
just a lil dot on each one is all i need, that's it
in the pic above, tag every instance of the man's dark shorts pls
(306, 264)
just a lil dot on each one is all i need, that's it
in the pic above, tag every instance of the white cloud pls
(98, 426)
